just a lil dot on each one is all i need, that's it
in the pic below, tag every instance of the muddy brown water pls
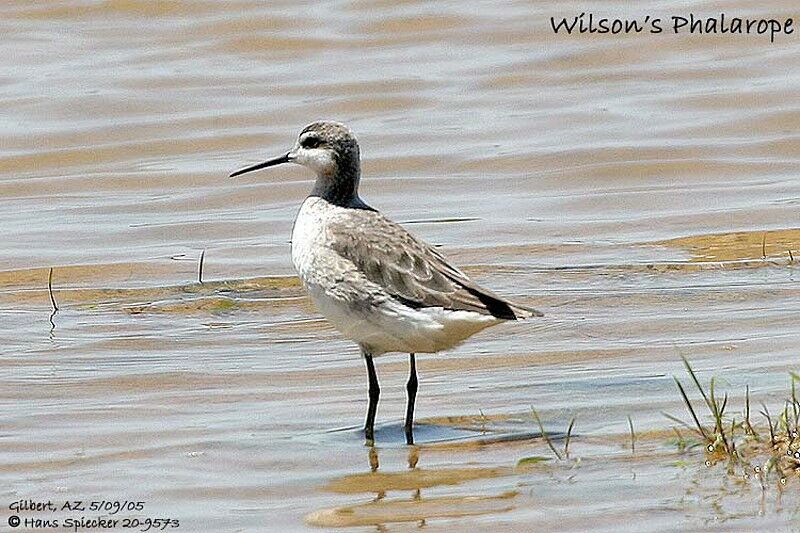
(641, 190)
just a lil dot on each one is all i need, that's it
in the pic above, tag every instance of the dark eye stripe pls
(310, 142)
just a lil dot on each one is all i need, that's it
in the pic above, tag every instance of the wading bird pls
(380, 286)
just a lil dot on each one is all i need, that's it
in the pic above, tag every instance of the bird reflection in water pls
(383, 509)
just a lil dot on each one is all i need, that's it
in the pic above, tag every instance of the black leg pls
(374, 394)
(411, 387)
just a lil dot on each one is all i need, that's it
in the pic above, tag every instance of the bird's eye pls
(310, 142)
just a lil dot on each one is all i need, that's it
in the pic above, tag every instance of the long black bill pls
(270, 163)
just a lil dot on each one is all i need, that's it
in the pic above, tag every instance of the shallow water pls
(642, 191)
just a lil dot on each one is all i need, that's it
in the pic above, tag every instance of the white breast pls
(308, 233)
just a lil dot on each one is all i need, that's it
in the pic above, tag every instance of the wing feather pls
(411, 270)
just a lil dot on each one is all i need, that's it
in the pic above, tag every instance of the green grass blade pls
(700, 427)
(544, 434)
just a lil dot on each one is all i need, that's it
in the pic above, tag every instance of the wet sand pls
(640, 190)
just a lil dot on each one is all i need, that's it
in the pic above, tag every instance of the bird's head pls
(328, 148)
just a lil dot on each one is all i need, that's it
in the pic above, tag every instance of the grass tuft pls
(545, 435)
(736, 440)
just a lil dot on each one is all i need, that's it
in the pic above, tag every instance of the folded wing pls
(412, 271)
